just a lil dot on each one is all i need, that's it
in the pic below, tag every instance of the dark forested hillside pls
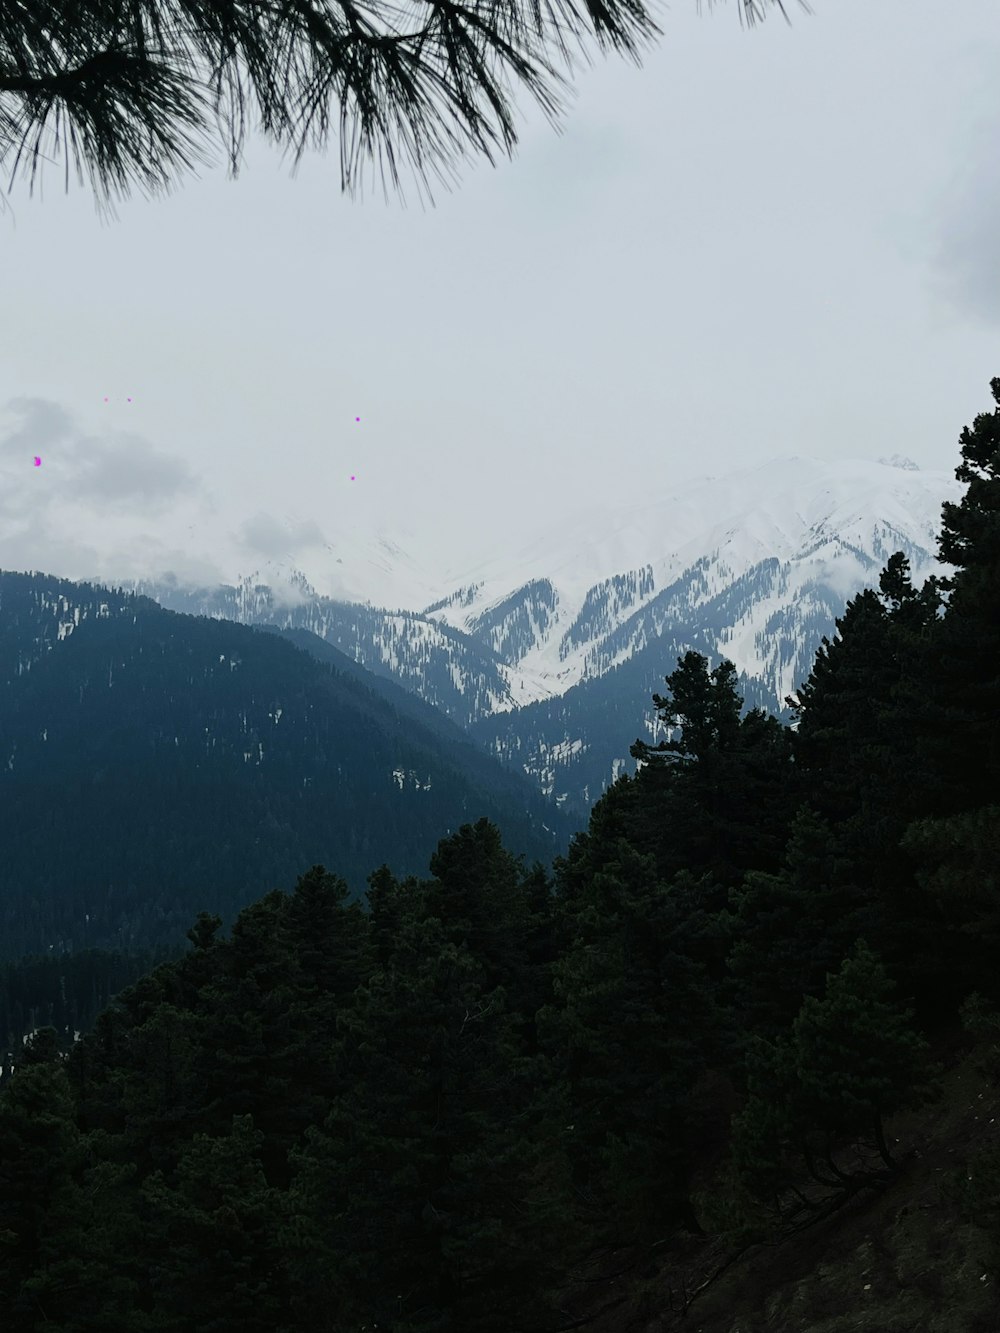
(411, 708)
(733, 1065)
(155, 764)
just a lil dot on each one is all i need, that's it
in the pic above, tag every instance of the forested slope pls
(157, 764)
(727, 1026)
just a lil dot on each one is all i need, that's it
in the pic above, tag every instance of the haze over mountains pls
(548, 656)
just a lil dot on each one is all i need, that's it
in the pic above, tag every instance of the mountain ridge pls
(754, 567)
(154, 741)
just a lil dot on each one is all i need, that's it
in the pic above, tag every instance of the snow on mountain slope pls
(753, 566)
(806, 533)
(549, 656)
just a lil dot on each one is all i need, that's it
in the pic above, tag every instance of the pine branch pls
(131, 77)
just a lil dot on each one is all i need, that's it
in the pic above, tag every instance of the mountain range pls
(166, 749)
(156, 764)
(548, 656)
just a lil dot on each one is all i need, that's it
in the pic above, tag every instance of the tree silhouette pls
(130, 88)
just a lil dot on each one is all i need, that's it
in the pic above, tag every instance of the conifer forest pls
(726, 1025)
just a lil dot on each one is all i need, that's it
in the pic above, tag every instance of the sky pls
(760, 243)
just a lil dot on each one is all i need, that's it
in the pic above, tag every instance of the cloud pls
(965, 272)
(121, 470)
(95, 505)
(264, 535)
(130, 473)
(41, 428)
(43, 423)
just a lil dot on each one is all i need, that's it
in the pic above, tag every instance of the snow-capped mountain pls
(759, 554)
(539, 653)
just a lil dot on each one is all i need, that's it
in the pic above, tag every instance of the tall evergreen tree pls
(717, 799)
(958, 665)
(389, 903)
(839, 707)
(332, 953)
(248, 1062)
(957, 942)
(612, 817)
(791, 929)
(95, 1062)
(158, 1084)
(425, 1200)
(854, 741)
(329, 935)
(541, 950)
(908, 776)
(271, 1047)
(863, 765)
(704, 705)
(632, 1028)
(40, 1149)
(479, 895)
(209, 1243)
(851, 1059)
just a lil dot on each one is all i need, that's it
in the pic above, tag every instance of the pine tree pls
(705, 706)
(908, 780)
(210, 1238)
(249, 1060)
(790, 929)
(328, 935)
(854, 743)
(68, 1221)
(839, 708)
(632, 1028)
(957, 667)
(851, 1059)
(331, 954)
(479, 895)
(36, 1138)
(717, 799)
(614, 816)
(389, 902)
(540, 950)
(954, 951)
(864, 767)
(425, 1200)
(159, 1086)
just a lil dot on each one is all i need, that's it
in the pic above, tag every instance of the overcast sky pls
(765, 242)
